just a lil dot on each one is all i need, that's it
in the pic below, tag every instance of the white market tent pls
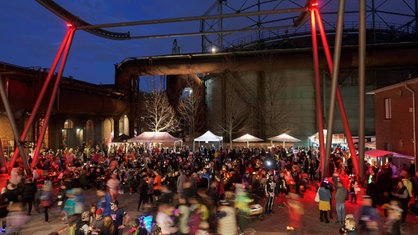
(381, 157)
(284, 138)
(336, 138)
(247, 138)
(208, 137)
(154, 137)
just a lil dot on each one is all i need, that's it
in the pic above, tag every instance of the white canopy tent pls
(154, 137)
(208, 137)
(336, 138)
(246, 139)
(381, 157)
(284, 138)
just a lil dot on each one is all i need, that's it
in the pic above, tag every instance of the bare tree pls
(160, 115)
(275, 114)
(191, 105)
(234, 115)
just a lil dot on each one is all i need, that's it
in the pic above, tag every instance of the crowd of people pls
(185, 192)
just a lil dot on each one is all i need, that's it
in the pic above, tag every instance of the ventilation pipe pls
(413, 123)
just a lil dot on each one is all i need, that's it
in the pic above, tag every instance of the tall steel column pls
(40, 97)
(13, 125)
(319, 115)
(338, 93)
(361, 82)
(334, 82)
(53, 96)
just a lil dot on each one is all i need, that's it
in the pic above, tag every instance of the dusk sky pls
(30, 35)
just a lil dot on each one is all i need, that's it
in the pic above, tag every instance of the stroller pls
(145, 225)
(349, 226)
(255, 210)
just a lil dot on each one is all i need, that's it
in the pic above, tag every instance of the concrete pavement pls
(273, 224)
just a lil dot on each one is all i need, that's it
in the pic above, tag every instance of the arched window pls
(68, 124)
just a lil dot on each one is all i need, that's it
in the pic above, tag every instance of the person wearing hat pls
(98, 222)
(120, 217)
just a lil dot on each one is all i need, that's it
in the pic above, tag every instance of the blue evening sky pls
(30, 35)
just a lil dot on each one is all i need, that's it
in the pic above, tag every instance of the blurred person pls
(227, 220)
(61, 198)
(183, 216)
(392, 225)
(408, 185)
(16, 218)
(104, 201)
(340, 198)
(324, 201)
(46, 198)
(296, 212)
(150, 191)
(68, 212)
(79, 200)
(349, 226)
(16, 175)
(167, 196)
(4, 211)
(368, 218)
(242, 204)
(28, 194)
(35, 175)
(164, 219)
(119, 216)
(194, 219)
(181, 179)
(113, 185)
(11, 192)
(143, 191)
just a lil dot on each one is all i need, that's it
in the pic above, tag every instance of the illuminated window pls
(68, 124)
(388, 108)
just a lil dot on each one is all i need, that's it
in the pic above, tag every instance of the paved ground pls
(273, 224)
